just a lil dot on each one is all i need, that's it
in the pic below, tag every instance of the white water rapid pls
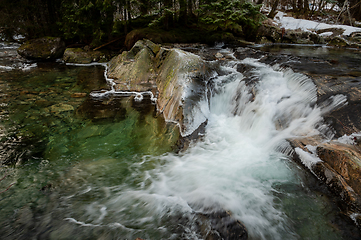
(238, 166)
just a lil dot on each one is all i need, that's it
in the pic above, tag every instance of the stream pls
(75, 164)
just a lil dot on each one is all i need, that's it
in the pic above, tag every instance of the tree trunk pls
(168, 16)
(125, 20)
(182, 19)
(144, 6)
(306, 7)
(273, 12)
(355, 9)
(300, 5)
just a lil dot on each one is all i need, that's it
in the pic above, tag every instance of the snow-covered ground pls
(307, 25)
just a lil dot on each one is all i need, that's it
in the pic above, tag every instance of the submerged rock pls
(61, 107)
(47, 48)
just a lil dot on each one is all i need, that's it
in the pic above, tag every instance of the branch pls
(7, 188)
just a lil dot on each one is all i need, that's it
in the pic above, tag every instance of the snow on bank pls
(308, 25)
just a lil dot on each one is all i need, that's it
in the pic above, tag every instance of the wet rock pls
(338, 185)
(338, 41)
(109, 108)
(334, 31)
(61, 107)
(269, 33)
(355, 37)
(181, 83)
(79, 55)
(219, 55)
(47, 48)
(176, 76)
(346, 119)
(91, 79)
(345, 160)
(134, 70)
(78, 95)
(337, 165)
(221, 226)
(300, 37)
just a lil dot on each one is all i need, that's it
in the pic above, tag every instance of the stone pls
(337, 184)
(221, 225)
(174, 75)
(61, 107)
(338, 41)
(219, 55)
(181, 85)
(300, 37)
(345, 160)
(338, 167)
(133, 70)
(80, 56)
(43, 49)
(96, 110)
(270, 33)
(78, 95)
(334, 31)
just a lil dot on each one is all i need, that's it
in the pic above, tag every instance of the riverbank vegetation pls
(98, 22)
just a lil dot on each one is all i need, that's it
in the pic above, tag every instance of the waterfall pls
(239, 166)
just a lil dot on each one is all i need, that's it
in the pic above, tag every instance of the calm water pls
(78, 167)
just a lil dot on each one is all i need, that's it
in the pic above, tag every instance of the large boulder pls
(345, 160)
(175, 76)
(43, 49)
(133, 70)
(181, 86)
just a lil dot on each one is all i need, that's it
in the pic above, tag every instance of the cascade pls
(240, 164)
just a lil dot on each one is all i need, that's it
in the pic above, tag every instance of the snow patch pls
(309, 26)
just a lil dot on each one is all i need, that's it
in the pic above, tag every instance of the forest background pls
(95, 22)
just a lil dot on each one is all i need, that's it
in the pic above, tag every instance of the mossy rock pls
(78, 55)
(43, 49)
(338, 42)
(133, 70)
(177, 76)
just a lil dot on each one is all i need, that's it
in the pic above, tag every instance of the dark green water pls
(56, 140)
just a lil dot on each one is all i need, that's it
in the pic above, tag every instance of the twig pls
(7, 188)
(3, 177)
(106, 44)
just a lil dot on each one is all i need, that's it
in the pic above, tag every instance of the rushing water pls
(103, 166)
